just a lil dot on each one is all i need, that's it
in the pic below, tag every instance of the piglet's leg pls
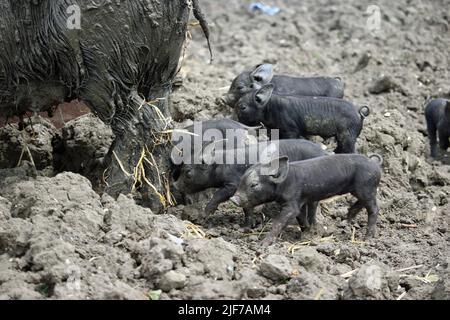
(312, 210)
(307, 217)
(250, 220)
(372, 209)
(346, 143)
(220, 196)
(289, 211)
(354, 210)
(302, 218)
(431, 127)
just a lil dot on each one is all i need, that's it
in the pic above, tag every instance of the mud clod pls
(33, 143)
(83, 145)
(172, 280)
(371, 281)
(277, 268)
(311, 260)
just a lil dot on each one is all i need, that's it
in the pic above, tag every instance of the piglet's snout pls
(241, 107)
(226, 99)
(177, 185)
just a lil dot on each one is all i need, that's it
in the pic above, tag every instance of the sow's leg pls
(138, 159)
(131, 51)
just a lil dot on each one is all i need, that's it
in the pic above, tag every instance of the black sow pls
(120, 60)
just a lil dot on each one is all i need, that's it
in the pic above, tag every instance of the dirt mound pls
(59, 240)
(81, 147)
(33, 143)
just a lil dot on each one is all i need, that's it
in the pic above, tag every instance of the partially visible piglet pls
(191, 139)
(283, 85)
(225, 168)
(437, 113)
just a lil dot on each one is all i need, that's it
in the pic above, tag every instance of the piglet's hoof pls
(253, 222)
(369, 235)
(209, 211)
(267, 242)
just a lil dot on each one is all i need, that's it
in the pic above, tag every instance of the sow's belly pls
(63, 114)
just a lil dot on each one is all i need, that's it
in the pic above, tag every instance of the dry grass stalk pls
(194, 230)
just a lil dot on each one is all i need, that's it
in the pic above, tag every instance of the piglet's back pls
(338, 163)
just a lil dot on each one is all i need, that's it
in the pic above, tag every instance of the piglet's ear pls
(211, 152)
(264, 94)
(269, 153)
(262, 73)
(278, 169)
(207, 153)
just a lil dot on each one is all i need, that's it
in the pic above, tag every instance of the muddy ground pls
(60, 239)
